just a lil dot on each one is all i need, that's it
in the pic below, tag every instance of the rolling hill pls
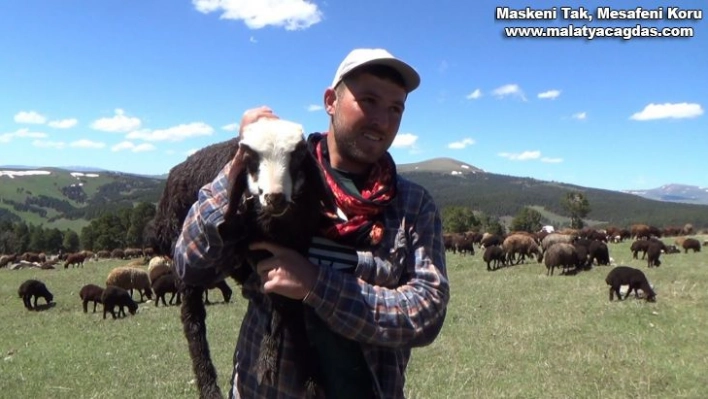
(62, 198)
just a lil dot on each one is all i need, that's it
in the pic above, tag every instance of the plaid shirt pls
(395, 300)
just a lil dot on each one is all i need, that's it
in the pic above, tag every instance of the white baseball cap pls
(376, 56)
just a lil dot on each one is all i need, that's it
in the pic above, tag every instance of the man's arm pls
(409, 315)
(200, 245)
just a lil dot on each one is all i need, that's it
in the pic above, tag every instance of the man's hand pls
(286, 273)
(255, 114)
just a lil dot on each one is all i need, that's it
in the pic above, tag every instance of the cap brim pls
(411, 78)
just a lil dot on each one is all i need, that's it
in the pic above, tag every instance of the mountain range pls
(69, 197)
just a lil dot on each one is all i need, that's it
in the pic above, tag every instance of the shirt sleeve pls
(409, 315)
(199, 247)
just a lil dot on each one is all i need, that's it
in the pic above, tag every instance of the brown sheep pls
(521, 244)
(562, 254)
(691, 243)
(75, 260)
(91, 293)
(130, 278)
(554, 238)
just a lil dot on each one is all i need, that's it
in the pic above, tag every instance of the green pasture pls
(512, 333)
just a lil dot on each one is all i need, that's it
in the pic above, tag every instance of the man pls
(376, 281)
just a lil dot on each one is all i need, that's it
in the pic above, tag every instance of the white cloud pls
(404, 140)
(314, 107)
(175, 133)
(550, 94)
(668, 110)
(118, 123)
(84, 143)
(231, 127)
(458, 145)
(58, 145)
(551, 160)
(30, 117)
(509, 90)
(290, 14)
(192, 151)
(474, 95)
(580, 116)
(252, 39)
(123, 145)
(523, 156)
(21, 133)
(63, 123)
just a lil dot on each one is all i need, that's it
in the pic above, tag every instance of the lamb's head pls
(272, 152)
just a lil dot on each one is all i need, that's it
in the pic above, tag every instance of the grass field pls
(513, 333)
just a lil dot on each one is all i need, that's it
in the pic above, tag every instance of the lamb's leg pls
(193, 316)
(86, 301)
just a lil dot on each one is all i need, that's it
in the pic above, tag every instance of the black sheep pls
(166, 283)
(292, 226)
(599, 253)
(635, 278)
(654, 251)
(36, 289)
(89, 293)
(494, 254)
(117, 297)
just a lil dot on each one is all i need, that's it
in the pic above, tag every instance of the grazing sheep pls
(635, 278)
(113, 297)
(75, 260)
(691, 243)
(561, 254)
(288, 218)
(130, 278)
(34, 288)
(166, 283)
(489, 240)
(91, 292)
(555, 238)
(521, 244)
(494, 254)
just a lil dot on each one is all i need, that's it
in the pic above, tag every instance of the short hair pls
(384, 72)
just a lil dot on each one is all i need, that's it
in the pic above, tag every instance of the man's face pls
(366, 114)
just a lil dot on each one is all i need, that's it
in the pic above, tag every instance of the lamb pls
(91, 293)
(494, 254)
(166, 283)
(130, 278)
(561, 254)
(34, 288)
(288, 217)
(113, 297)
(654, 252)
(691, 243)
(635, 278)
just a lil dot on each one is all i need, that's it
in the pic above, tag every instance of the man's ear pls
(330, 98)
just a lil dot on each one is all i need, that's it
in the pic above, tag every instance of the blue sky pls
(136, 86)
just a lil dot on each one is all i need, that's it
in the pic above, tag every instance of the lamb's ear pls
(237, 183)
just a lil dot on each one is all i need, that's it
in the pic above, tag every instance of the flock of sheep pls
(573, 251)
(121, 283)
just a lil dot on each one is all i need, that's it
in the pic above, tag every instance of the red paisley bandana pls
(363, 210)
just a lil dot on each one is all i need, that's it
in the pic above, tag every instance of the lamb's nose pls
(275, 200)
